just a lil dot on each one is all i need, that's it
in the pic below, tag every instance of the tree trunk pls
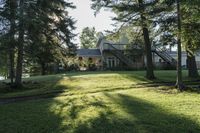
(11, 56)
(56, 67)
(18, 80)
(149, 63)
(191, 65)
(11, 66)
(179, 81)
(150, 72)
(43, 69)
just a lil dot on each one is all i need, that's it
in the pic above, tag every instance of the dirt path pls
(59, 92)
(28, 98)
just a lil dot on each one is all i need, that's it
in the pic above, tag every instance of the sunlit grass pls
(109, 102)
(86, 82)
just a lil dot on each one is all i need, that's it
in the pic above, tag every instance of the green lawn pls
(102, 102)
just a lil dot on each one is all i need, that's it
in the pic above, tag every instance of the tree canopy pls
(36, 30)
(88, 38)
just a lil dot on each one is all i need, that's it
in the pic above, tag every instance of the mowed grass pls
(72, 82)
(102, 102)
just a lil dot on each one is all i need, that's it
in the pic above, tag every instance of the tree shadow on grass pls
(28, 117)
(36, 86)
(148, 118)
(118, 114)
(165, 79)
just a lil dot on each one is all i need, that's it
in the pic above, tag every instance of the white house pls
(109, 55)
(157, 59)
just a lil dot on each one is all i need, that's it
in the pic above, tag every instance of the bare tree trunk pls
(13, 6)
(179, 81)
(192, 67)
(11, 66)
(191, 63)
(56, 67)
(149, 65)
(43, 69)
(18, 80)
(150, 72)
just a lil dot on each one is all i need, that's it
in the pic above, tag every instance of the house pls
(116, 56)
(109, 55)
(90, 55)
(158, 60)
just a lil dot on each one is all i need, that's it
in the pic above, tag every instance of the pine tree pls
(184, 20)
(190, 34)
(20, 44)
(42, 25)
(139, 13)
(51, 35)
(88, 38)
(8, 15)
(179, 81)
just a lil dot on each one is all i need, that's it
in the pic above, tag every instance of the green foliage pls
(131, 34)
(191, 25)
(88, 38)
(51, 35)
(190, 18)
(43, 29)
(3, 64)
(139, 15)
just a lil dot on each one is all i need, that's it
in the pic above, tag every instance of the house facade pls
(115, 56)
(108, 56)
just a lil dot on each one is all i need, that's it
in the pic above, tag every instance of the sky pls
(85, 17)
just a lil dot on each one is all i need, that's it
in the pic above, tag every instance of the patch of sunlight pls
(85, 109)
(85, 84)
(175, 103)
(96, 75)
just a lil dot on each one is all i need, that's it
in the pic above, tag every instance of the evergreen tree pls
(139, 13)
(183, 19)
(51, 35)
(42, 25)
(88, 38)
(8, 31)
(20, 43)
(179, 81)
(190, 34)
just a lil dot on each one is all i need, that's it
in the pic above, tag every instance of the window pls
(111, 62)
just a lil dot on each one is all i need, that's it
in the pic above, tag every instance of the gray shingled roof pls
(88, 52)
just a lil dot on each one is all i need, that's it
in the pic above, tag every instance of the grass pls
(102, 102)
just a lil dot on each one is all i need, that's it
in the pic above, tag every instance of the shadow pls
(39, 85)
(165, 81)
(101, 113)
(143, 117)
(29, 117)
(118, 114)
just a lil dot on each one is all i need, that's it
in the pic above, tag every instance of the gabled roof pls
(88, 52)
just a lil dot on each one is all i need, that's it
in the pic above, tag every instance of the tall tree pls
(181, 23)
(88, 38)
(20, 45)
(51, 35)
(184, 27)
(179, 81)
(32, 22)
(8, 25)
(139, 13)
(144, 25)
(190, 34)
